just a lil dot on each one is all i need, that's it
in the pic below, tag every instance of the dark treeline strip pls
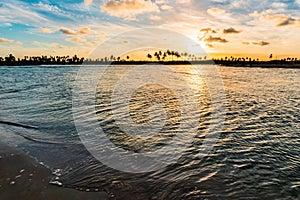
(167, 59)
(11, 60)
(264, 64)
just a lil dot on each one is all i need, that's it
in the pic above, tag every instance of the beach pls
(22, 177)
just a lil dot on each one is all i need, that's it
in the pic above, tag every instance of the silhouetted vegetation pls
(167, 57)
(11, 60)
(250, 62)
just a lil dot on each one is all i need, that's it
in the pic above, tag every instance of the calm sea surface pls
(256, 144)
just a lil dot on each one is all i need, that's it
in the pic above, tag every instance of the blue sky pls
(35, 27)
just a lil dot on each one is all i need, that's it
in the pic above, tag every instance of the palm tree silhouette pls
(149, 56)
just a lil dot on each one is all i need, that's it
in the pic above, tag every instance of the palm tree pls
(172, 53)
(157, 56)
(149, 56)
(177, 55)
(164, 56)
(10, 58)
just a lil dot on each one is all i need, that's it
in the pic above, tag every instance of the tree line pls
(11, 60)
(167, 57)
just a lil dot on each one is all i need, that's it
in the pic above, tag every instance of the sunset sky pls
(254, 28)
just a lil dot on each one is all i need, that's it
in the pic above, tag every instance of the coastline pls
(254, 64)
(22, 177)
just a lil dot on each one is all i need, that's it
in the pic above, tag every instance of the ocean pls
(158, 132)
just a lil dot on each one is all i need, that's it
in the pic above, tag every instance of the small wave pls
(38, 140)
(18, 124)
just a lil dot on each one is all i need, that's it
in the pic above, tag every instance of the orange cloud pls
(80, 31)
(208, 30)
(166, 7)
(129, 9)
(45, 30)
(184, 1)
(216, 11)
(84, 31)
(211, 39)
(279, 19)
(76, 40)
(231, 31)
(10, 42)
(261, 43)
(88, 2)
(7, 41)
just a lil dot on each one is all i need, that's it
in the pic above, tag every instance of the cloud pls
(210, 45)
(222, 16)
(279, 5)
(17, 13)
(166, 7)
(62, 47)
(76, 40)
(68, 31)
(216, 11)
(288, 21)
(261, 43)
(160, 2)
(211, 39)
(88, 2)
(155, 17)
(48, 7)
(18, 43)
(84, 31)
(45, 30)
(129, 9)
(7, 41)
(5, 24)
(231, 31)
(184, 1)
(278, 19)
(101, 35)
(80, 31)
(208, 30)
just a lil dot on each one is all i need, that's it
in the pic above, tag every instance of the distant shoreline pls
(245, 65)
(161, 58)
(224, 63)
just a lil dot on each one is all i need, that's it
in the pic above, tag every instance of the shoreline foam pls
(22, 177)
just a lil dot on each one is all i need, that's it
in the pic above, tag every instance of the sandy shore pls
(21, 177)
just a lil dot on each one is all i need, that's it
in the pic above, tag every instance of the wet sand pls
(22, 177)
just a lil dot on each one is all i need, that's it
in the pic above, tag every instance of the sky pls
(254, 28)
